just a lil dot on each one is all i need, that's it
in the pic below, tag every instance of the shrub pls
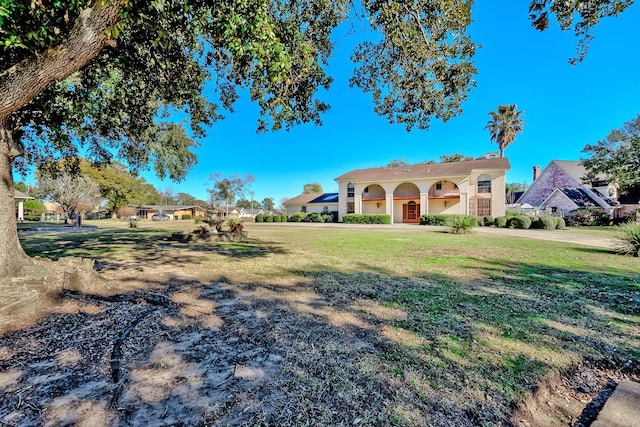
(559, 223)
(276, 218)
(544, 223)
(197, 219)
(500, 221)
(259, 218)
(487, 221)
(521, 222)
(185, 216)
(296, 216)
(283, 218)
(268, 218)
(629, 239)
(587, 217)
(314, 217)
(434, 219)
(366, 219)
(461, 224)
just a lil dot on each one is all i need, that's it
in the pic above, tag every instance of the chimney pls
(536, 172)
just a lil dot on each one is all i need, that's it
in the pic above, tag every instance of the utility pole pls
(252, 193)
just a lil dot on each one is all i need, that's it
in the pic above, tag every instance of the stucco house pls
(312, 202)
(560, 188)
(474, 187)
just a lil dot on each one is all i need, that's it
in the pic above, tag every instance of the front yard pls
(321, 326)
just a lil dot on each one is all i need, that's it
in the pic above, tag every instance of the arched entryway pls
(444, 198)
(406, 203)
(374, 200)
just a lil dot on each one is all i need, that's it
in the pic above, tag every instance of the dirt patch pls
(574, 398)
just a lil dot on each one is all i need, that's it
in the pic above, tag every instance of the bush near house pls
(366, 219)
(296, 216)
(521, 222)
(500, 221)
(185, 216)
(259, 218)
(544, 222)
(276, 218)
(283, 218)
(268, 218)
(587, 216)
(560, 224)
(445, 219)
(487, 221)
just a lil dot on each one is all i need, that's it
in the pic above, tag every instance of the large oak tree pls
(100, 77)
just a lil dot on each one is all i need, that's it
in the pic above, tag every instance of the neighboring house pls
(560, 189)
(314, 202)
(54, 210)
(174, 211)
(474, 187)
(20, 197)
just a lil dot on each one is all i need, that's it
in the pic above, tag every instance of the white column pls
(358, 203)
(424, 203)
(389, 206)
(21, 211)
(464, 202)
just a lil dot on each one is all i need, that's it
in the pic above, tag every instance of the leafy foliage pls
(461, 224)
(313, 188)
(504, 125)
(366, 219)
(225, 190)
(72, 193)
(629, 239)
(617, 156)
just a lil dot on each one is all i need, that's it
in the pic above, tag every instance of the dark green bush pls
(500, 221)
(462, 224)
(366, 219)
(434, 219)
(276, 218)
(313, 217)
(521, 222)
(185, 216)
(488, 221)
(544, 223)
(259, 218)
(268, 218)
(559, 223)
(283, 218)
(587, 217)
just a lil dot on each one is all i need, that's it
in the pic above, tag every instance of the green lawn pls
(474, 320)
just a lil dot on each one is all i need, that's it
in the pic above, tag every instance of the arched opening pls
(444, 198)
(406, 203)
(374, 199)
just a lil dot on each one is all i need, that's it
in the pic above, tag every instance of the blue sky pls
(565, 108)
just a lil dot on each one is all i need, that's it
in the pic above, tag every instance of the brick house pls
(560, 189)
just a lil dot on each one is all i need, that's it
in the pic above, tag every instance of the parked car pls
(156, 217)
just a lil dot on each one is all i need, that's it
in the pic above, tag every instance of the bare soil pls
(160, 345)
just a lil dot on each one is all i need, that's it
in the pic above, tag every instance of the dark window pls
(366, 190)
(438, 186)
(350, 190)
(304, 209)
(351, 207)
(484, 184)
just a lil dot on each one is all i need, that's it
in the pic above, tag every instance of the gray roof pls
(20, 195)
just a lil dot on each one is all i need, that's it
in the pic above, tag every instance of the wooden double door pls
(411, 212)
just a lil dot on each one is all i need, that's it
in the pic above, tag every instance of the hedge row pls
(366, 219)
(300, 217)
(444, 219)
(524, 222)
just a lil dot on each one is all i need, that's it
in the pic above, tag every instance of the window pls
(325, 209)
(484, 184)
(484, 207)
(439, 185)
(351, 207)
(304, 209)
(351, 190)
(366, 190)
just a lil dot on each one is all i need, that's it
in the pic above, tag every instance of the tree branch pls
(23, 82)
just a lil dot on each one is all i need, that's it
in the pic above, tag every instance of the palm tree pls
(505, 125)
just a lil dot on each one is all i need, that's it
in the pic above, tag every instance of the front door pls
(411, 212)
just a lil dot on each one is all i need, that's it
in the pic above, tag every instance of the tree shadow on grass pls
(336, 349)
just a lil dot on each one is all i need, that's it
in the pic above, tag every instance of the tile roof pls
(425, 170)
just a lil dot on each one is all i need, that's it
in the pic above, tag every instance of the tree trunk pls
(12, 256)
